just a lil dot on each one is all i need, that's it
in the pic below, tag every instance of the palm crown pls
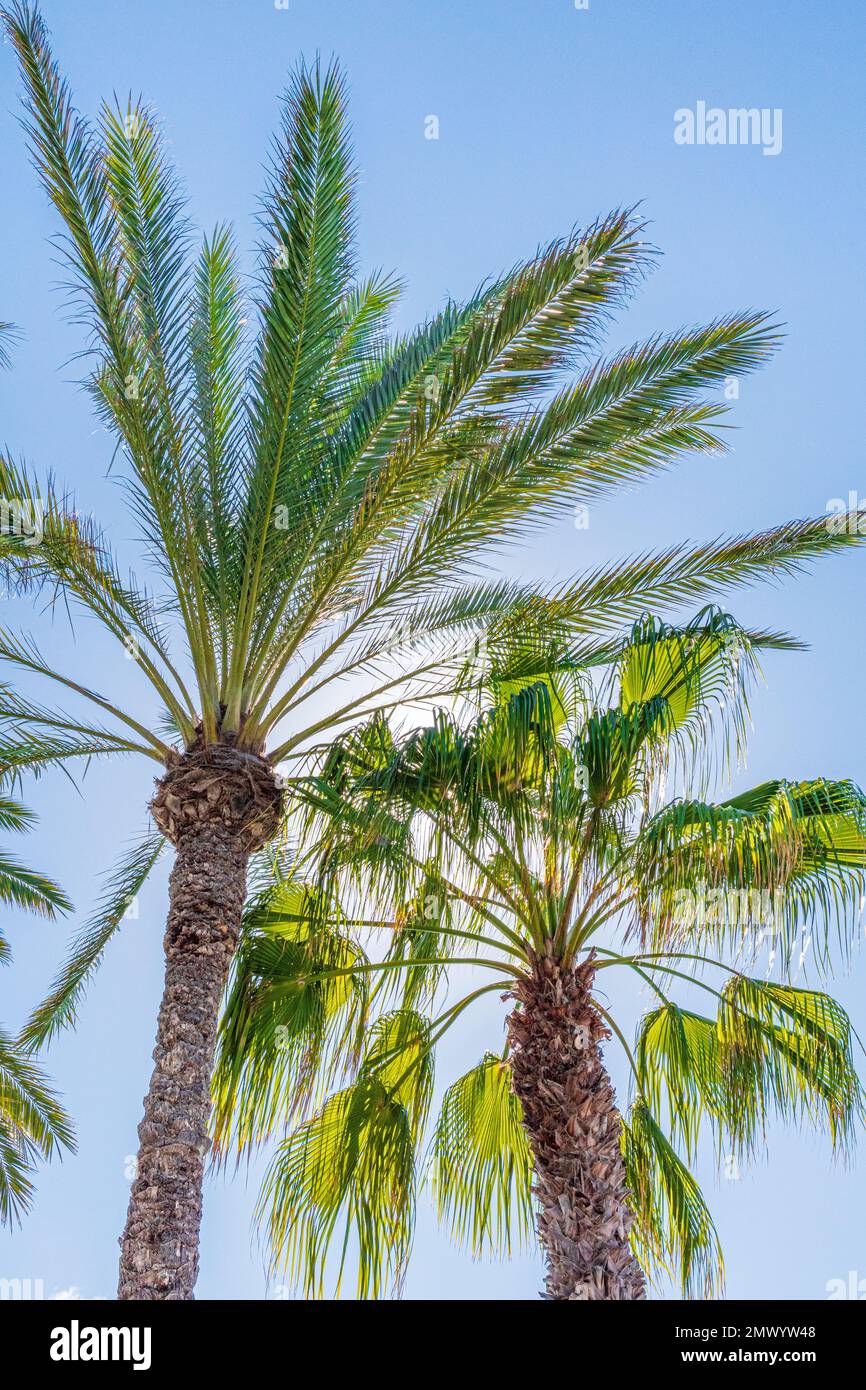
(538, 843)
(314, 497)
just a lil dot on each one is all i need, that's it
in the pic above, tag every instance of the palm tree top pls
(314, 495)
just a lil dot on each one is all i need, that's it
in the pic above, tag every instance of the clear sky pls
(547, 116)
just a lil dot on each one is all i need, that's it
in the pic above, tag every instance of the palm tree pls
(544, 841)
(314, 497)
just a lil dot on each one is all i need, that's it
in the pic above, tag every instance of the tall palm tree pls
(314, 497)
(545, 843)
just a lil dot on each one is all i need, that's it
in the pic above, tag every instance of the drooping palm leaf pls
(33, 1125)
(673, 1228)
(295, 995)
(355, 1160)
(481, 1167)
(770, 860)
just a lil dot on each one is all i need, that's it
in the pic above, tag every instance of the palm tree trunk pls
(571, 1118)
(159, 1256)
(217, 806)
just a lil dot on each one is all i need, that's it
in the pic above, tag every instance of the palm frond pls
(616, 595)
(29, 889)
(481, 1167)
(59, 1010)
(307, 221)
(217, 349)
(71, 162)
(354, 1163)
(22, 651)
(33, 1126)
(767, 861)
(673, 1229)
(295, 1003)
(772, 1050)
(8, 335)
(20, 886)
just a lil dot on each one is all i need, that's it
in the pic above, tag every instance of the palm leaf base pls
(574, 1130)
(218, 784)
(159, 1249)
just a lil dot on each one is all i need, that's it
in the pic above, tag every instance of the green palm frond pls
(307, 221)
(773, 1050)
(295, 1003)
(14, 816)
(681, 693)
(561, 453)
(22, 652)
(610, 745)
(28, 889)
(153, 235)
(617, 594)
(60, 1008)
(72, 164)
(33, 1126)
(354, 1161)
(771, 859)
(8, 335)
(217, 351)
(74, 560)
(673, 1229)
(481, 1167)
(422, 942)
(154, 238)
(790, 1050)
(362, 345)
(398, 1053)
(700, 668)
(33, 737)
(19, 886)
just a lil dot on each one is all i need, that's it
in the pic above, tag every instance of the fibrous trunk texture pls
(217, 806)
(574, 1127)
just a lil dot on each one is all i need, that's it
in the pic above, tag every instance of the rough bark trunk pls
(571, 1118)
(159, 1250)
(216, 805)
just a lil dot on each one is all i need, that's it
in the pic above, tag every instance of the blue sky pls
(547, 116)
